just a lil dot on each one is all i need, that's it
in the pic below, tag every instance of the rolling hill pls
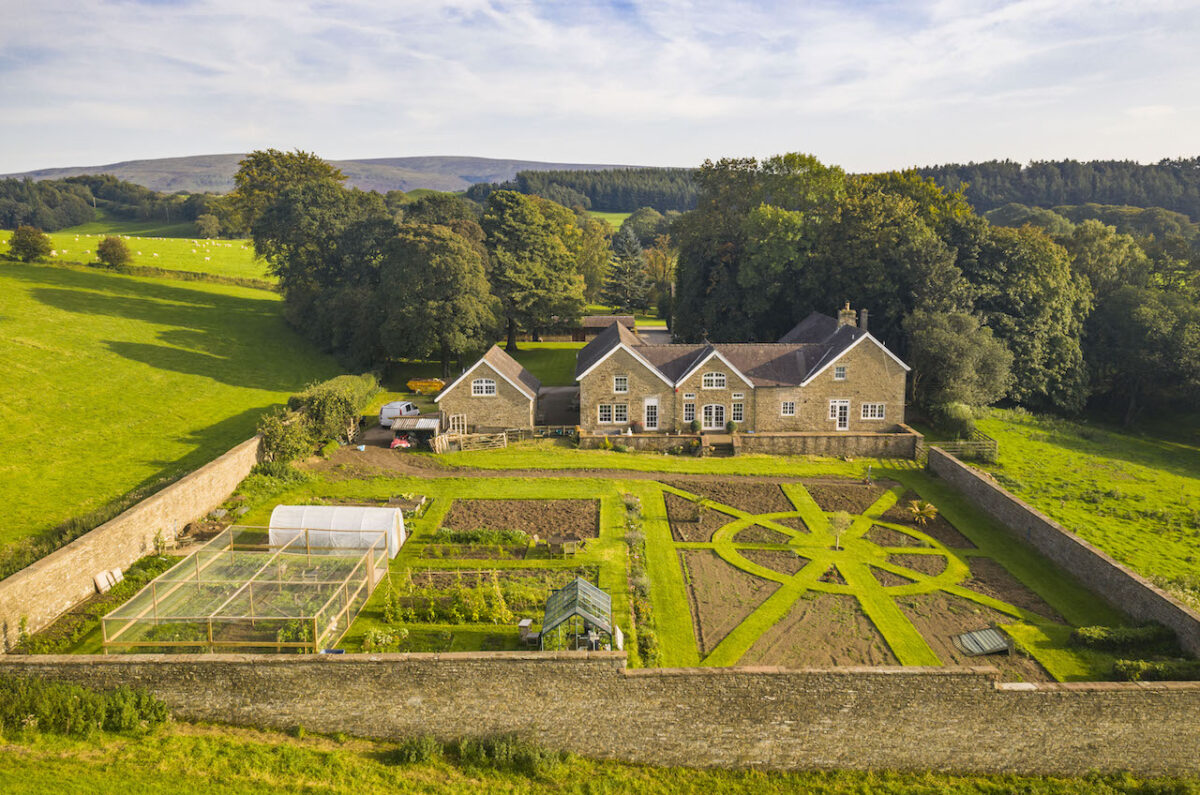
(214, 173)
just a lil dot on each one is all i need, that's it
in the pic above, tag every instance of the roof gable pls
(504, 366)
(814, 328)
(845, 340)
(709, 354)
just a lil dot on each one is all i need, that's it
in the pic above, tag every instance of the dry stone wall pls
(1121, 587)
(900, 443)
(44, 590)
(956, 719)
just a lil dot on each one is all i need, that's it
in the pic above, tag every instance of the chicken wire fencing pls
(247, 590)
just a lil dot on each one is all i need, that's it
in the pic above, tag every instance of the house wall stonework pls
(508, 408)
(597, 387)
(723, 397)
(871, 377)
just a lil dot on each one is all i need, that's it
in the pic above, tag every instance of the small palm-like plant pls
(922, 512)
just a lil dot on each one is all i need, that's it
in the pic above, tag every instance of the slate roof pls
(603, 321)
(812, 344)
(511, 369)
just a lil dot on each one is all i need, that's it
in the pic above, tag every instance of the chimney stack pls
(847, 316)
(862, 319)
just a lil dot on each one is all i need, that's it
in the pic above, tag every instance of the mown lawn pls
(210, 760)
(1135, 496)
(233, 258)
(111, 382)
(614, 219)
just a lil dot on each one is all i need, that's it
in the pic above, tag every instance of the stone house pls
(827, 375)
(493, 394)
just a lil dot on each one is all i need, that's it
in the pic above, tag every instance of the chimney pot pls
(847, 316)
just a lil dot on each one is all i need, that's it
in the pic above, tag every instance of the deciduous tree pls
(29, 243)
(113, 252)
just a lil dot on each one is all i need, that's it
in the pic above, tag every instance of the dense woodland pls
(616, 189)
(50, 205)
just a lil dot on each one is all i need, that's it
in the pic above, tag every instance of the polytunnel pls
(342, 526)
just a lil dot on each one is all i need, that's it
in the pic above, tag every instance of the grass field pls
(1137, 497)
(213, 760)
(110, 225)
(614, 219)
(219, 257)
(112, 382)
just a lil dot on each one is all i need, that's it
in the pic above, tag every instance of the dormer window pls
(483, 387)
(713, 381)
(620, 384)
(839, 372)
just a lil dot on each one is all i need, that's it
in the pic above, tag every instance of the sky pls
(864, 84)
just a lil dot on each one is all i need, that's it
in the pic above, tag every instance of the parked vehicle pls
(397, 408)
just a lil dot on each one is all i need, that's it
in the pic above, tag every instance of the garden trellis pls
(247, 591)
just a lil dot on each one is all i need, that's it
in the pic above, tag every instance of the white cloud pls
(870, 85)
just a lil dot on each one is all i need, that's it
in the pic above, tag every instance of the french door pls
(651, 407)
(840, 410)
(714, 417)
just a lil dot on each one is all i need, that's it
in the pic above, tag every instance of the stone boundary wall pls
(653, 442)
(1119, 586)
(43, 590)
(901, 443)
(953, 719)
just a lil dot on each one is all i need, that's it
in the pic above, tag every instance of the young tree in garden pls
(435, 296)
(627, 287)
(113, 252)
(534, 248)
(955, 360)
(839, 523)
(29, 243)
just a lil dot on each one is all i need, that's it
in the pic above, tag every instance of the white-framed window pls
(736, 412)
(620, 412)
(872, 411)
(839, 372)
(839, 410)
(620, 384)
(714, 417)
(787, 408)
(713, 381)
(738, 396)
(689, 411)
(689, 395)
(483, 387)
(604, 413)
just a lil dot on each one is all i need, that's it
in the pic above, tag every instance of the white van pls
(397, 408)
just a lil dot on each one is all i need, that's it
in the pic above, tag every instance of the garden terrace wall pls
(41, 592)
(647, 442)
(956, 719)
(1130, 592)
(901, 443)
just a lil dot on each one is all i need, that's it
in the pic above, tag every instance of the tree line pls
(982, 312)
(50, 205)
(614, 189)
(1170, 184)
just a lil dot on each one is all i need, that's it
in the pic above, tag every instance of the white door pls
(840, 410)
(714, 417)
(651, 414)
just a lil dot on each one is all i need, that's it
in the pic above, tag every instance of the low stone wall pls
(901, 443)
(645, 442)
(1124, 589)
(955, 719)
(44, 590)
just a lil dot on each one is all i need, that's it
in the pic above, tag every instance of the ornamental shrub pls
(1177, 670)
(695, 426)
(1146, 639)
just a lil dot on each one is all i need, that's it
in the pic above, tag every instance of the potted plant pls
(731, 427)
(695, 426)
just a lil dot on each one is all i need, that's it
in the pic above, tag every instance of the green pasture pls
(640, 319)
(106, 224)
(215, 760)
(234, 258)
(614, 219)
(114, 382)
(1135, 496)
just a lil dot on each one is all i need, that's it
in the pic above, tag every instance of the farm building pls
(493, 394)
(592, 325)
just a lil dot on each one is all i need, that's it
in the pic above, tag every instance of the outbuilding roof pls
(507, 368)
(604, 321)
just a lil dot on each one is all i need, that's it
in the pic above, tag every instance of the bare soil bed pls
(939, 616)
(682, 513)
(778, 560)
(721, 595)
(757, 534)
(888, 579)
(564, 519)
(925, 564)
(474, 552)
(887, 537)
(990, 578)
(749, 496)
(852, 496)
(938, 529)
(821, 630)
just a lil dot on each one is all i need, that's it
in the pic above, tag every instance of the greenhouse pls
(579, 616)
(253, 589)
